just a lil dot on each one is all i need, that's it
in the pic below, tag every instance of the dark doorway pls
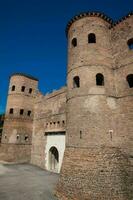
(53, 159)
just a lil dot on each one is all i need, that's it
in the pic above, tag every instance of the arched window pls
(130, 80)
(11, 111)
(99, 79)
(76, 82)
(22, 88)
(130, 43)
(91, 38)
(13, 88)
(74, 42)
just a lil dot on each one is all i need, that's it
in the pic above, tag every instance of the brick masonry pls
(98, 161)
(97, 119)
(95, 173)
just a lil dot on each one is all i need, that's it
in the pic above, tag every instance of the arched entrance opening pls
(53, 159)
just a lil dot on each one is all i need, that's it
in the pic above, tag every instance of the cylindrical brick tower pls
(92, 162)
(122, 41)
(89, 81)
(18, 124)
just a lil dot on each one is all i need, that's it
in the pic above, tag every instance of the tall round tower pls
(18, 124)
(92, 162)
(89, 80)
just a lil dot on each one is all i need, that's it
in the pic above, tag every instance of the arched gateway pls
(53, 159)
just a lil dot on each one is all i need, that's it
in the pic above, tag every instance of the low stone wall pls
(95, 174)
(15, 153)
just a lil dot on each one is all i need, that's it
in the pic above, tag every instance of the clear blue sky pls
(32, 37)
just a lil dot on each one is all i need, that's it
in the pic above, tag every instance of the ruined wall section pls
(50, 116)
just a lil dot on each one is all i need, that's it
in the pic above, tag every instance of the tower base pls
(95, 174)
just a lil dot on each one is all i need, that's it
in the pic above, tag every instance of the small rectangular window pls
(11, 111)
(13, 88)
(74, 42)
(76, 82)
(17, 137)
(91, 38)
(30, 90)
(29, 113)
(21, 111)
(130, 44)
(26, 138)
(99, 79)
(22, 88)
(130, 80)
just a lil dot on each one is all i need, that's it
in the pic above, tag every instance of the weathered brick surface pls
(99, 143)
(95, 173)
(15, 153)
(50, 112)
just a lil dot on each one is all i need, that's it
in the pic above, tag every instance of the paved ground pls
(26, 182)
